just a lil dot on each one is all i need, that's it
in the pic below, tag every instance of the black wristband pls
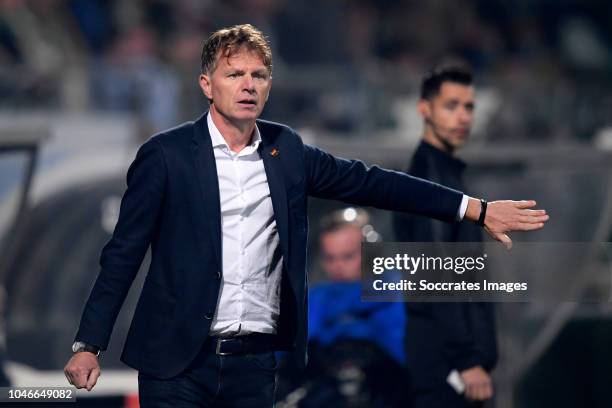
(483, 212)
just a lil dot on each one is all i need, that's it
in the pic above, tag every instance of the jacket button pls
(218, 274)
(208, 316)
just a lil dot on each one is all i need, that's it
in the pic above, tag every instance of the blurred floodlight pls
(350, 214)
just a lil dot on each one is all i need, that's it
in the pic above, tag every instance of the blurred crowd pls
(335, 61)
(339, 65)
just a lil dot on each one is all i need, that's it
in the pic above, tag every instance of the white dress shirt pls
(249, 299)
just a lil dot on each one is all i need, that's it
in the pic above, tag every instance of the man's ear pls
(424, 108)
(204, 81)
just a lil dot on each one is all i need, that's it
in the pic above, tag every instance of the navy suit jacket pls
(172, 204)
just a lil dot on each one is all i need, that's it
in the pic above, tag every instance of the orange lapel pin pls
(274, 152)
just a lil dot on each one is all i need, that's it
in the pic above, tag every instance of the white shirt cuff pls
(463, 207)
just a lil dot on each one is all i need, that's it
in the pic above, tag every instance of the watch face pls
(75, 346)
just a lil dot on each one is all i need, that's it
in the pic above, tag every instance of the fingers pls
(527, 216)
(480, 391)
(488, 391)
(525, 204)
(93, 378)
(72, 375)
(470, 392)
(76, 377)
(477, 392)
(68, 376)
(501, 237)
(505, 239)
(530, 219)
(532, 212)
(529, 227)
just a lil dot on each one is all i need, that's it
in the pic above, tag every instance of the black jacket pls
(444, 336)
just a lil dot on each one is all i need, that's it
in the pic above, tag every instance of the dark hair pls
(433, 79)
(228, 41)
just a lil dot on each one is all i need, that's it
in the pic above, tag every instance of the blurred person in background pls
(131, 77)
(442, 337)
(355, 348)
(336, 309)
(222, 203)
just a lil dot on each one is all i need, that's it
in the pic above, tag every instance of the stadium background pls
(83, 82)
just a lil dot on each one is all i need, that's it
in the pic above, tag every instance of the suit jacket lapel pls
(208, 179)
(206, 169)
(270, 154)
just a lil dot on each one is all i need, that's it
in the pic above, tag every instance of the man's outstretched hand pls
(507, 215)
(83, 370)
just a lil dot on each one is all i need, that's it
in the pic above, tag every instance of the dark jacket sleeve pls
(123, 254)
(353, 182)
(460, 347)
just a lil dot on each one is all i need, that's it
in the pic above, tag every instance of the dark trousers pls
(246, 380)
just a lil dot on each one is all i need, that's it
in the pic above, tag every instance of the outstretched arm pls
(352, 181)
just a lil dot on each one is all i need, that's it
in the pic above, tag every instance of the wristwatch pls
(79, 346)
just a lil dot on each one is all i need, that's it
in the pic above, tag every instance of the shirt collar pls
(219, 141)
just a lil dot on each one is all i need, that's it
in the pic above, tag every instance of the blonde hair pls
(228, 41)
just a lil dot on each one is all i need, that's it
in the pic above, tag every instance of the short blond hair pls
(228, 41)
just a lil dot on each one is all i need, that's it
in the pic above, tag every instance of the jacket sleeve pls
(353, 182)
(459, 345)
(121, 257)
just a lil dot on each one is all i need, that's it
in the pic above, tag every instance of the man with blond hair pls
(221, 201)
